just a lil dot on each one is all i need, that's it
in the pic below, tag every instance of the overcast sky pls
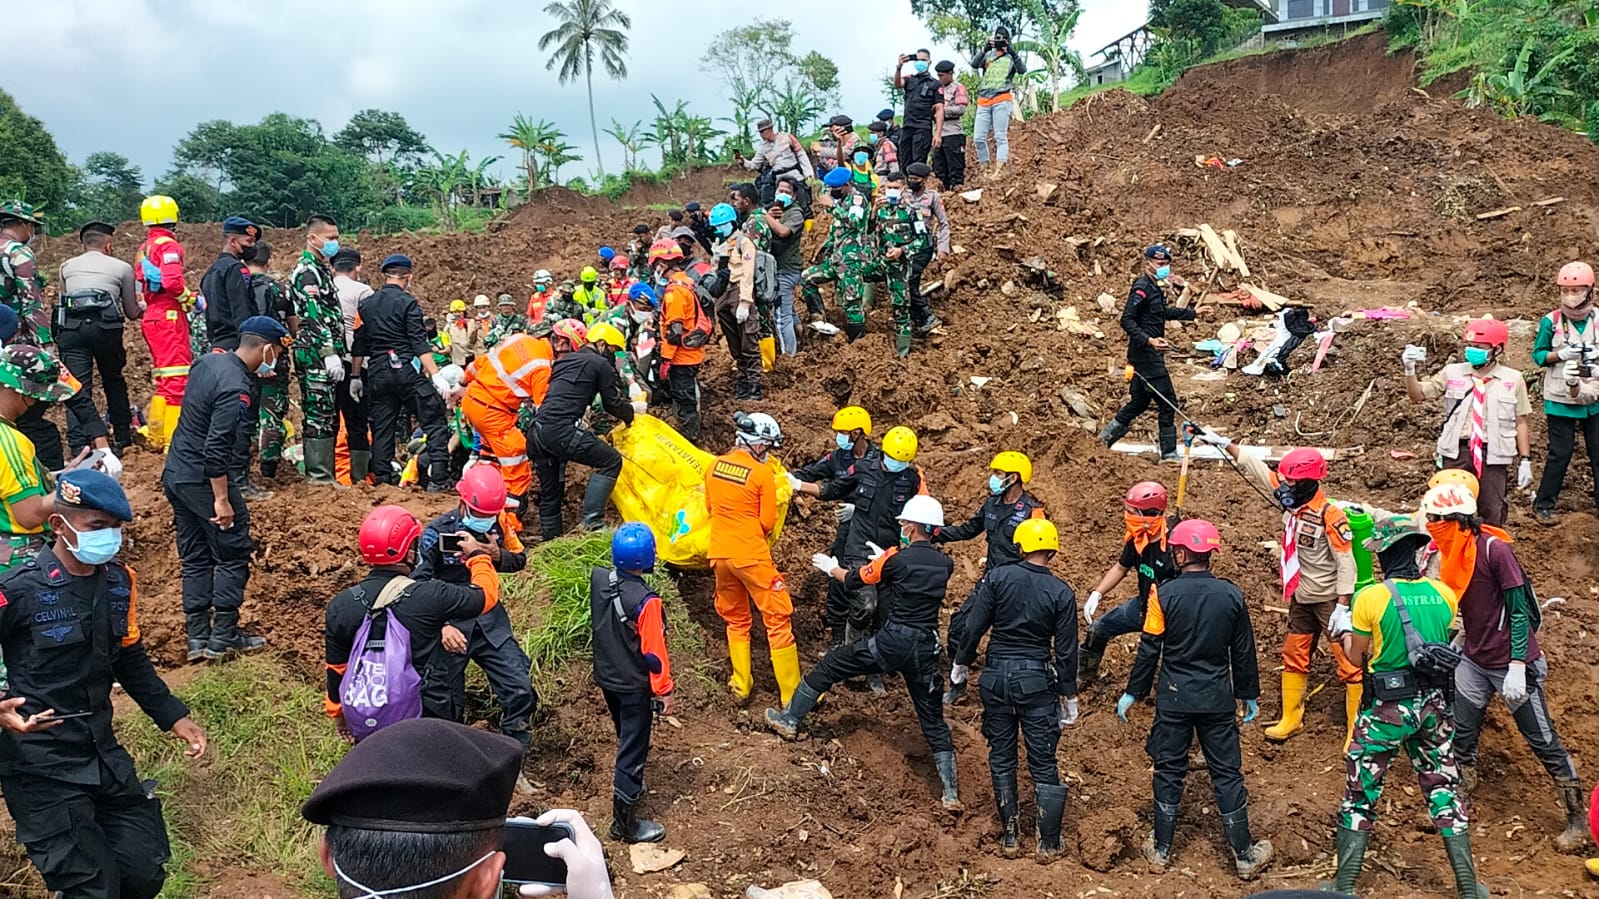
(133, 76)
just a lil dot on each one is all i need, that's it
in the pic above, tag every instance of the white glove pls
(1569, 352)
(1515, 688)
(334, 366)
(793, 482)
(111, 465)
(958, 674)
(1090, 607)
(442, 385)
(1571, 371)
(586, 874)
(1524, 474)
(357, 389)
(873, 551)
(1412, 355)
(742, 313)
(640, 407)
(844, 513)
(1340, 622)
(1212, 439)
(824, 563)
(1068, 711)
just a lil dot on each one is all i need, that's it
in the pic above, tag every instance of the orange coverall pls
(517, 369)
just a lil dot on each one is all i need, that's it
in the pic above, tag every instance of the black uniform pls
(879, 495)
(1144, 317)
(836, 473)
(390, 335)
(616, 600)
(89, 325)
(1199, 635)
(911, 581)
(1031, 663)
(490, 641)
(997, 520)
(1154, 565)
(89, 826)
(424, 608)
(228, 300)
(576, 379)
(915, 141)
(212, 440)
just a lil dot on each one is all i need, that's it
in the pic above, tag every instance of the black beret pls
(641, 228)
(396, 262)
(347, 256)
(879, 126)
(424, 775)
(101, 228)
(692, 206)
(944, 66)
(675, 215)
(840, 121)
(918, 170)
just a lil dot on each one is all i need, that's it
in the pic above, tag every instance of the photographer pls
(997, 65)
(1566, 336)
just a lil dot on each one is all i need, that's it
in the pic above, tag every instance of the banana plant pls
(1053, 22)
(631, 138)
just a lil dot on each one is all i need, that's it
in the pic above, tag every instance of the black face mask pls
(840, 193)
(1301, 492)
(914, 185)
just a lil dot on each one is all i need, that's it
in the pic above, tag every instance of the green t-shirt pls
(1432, 608)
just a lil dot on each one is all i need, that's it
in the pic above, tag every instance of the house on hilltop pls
(1299, 19)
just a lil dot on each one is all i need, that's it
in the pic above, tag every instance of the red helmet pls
(1196, 535)
(619, 263)
(1303, 464)
(1576, 274)
(386, 535)
(482, 488)
(664, 250)
(572, 329)
(1491, 331)
(1146, 496)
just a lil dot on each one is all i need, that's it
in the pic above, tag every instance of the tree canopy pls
(31, 165)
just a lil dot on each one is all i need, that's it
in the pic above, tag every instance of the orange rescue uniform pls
(515, 371)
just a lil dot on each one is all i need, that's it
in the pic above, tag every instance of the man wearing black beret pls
(226, 285)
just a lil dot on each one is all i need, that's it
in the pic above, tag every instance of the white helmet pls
(923, 510)
(758, 427)
(543, 276)
(481, 300)
(1449, 499)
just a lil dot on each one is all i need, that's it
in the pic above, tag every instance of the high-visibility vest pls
(516, 369)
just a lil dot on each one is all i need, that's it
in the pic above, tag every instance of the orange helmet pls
(1491, 331)
(664, 251)
(1147, 496)
(1576, 274)
(619, 263)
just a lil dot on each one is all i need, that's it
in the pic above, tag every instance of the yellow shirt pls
(21, 477)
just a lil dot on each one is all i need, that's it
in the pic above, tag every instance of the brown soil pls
(1356, 191)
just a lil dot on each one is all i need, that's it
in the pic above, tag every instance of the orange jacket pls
(742, 496)
(517, 369)
(680, 304)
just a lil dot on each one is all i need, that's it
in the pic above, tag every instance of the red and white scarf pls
(1290, 555)
(1479, 407)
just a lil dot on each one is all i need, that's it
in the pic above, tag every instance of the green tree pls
(528, 136)
(1053, 22)
(31, 165)
(109, 191)
(631, 137)
(587, 25)
(968, 23)
(198, 199)
(1205, 25)
(383, 137)
(204, 151)
(820, 75)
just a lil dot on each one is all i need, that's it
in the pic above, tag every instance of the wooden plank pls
(1497, 213)
(1213, 243)
(1231, 237)
(1152, 132)
(1270, 300)
(1552, 201)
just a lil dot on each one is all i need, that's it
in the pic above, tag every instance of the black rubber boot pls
(1112, 432)
(269, 469)
(1351, 856)
(1458, 848)
(1575, 837)
(854, 332)
(121, 437)
(951, 798)
(1009, 815)
(1168, 445)
(319, 461)
(902, 345)
(360, 465)
(628, 827)
(551, 528)
(1249, 857)
(595, 497)
(197, 649)
(198, 626)
(1088, 663)
(1157, 846)
(786, 723)
(226, 639)
(1051, 809)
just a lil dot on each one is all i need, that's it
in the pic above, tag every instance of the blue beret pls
(396, 260)
(1158, 251)
(838, 177)
(264, 326)
(8, 323)
(692, 207)
(88, 488)
(886, 115)
(607, 253)
(234, 224)
(642, 293)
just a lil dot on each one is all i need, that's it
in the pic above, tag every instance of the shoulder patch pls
(728, 471)
(55, 574)
(171, 257)
(1139, 292)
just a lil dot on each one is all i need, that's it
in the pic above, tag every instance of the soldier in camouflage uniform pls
(507, 321)
(22, 288)
(846, 255)
(271, 298)
(319, 347)
(1406, 709)
(565, 305)
(895, 221)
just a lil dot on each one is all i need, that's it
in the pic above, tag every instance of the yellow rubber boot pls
(785, 666)
(154, 427)
(169, 424)
(768, 353)
(1352, 694)
(1592, 865)
(1293, 708)
(740, 683)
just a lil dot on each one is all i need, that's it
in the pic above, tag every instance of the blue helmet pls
(838, 177)
(607, 253)
(638, 293)
(633, 547)
(722, 214)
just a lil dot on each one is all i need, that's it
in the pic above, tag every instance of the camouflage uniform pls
(199, 337)
(760, 231)
(275, 389)
(1423, 728)
(22, 288)
(895, 224)
(505, 324)
(563, 306)
(321, 334)
(847, 259)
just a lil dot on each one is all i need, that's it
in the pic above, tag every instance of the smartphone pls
(67, 716)
(450, 544)
(525, 861)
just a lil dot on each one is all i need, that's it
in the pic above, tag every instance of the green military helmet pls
(541, 328)
(1390, 529)
(506, 300)
(16, 209)
(36, 373)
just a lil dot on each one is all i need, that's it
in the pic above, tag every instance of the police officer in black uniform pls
(1030, 669)
(98, 294)
(205, 469)
(912, 579)
(392, 343)
(69, 631)
(576, 379)
(226, 285)
(832, 478)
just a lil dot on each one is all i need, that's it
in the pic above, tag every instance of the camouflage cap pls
(1389, 529)
(16, 209)
(35, 373)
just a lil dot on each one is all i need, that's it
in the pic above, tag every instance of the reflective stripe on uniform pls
(171, 371)
(512, 379)
(511, 460)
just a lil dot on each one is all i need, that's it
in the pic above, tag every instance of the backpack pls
(381, 684)
(765, 277)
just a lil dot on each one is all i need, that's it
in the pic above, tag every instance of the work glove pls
(586, 874)
(111, 465)
(844, 512)
(442, 385)
(959, 674)
(1524, 474)
(1340, 622)
(1571, 371)
(1412, 355)
(742, 313)
(1210, 438)
(1514, 690)
(793, 482)
(824, 563)
(873, 551)
(334, 366)
(357, 389)
(1123, 704)
(1251, 710)
(1090, 607)
(1068, 711)
(1570, 352)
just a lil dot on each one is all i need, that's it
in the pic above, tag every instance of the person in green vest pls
(997, 66)
(1567, 347)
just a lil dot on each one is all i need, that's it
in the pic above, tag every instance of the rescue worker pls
(1409, 709)
(29, 376)
(589, 294)
(949, 137)
(1029, 679)
(923, 100)
(631, 668)
(577, 379)
(563, 305)
(485, 639)
(205, 466)
(1198, 638)
(1570, 333)
(319, 347)
(226, 285)
(832, 478)
(916, 575)
(69, 629)
(896, 223)
(638, 267)
(998, 65)
(1144, 318)
(735, 310)
(504, 381)
(392, 343)
(619, 281)
(685, 330)
(388, 540)
(353, 403)
(742, 498)
(758, 226)
(846, 255)
(466, 340)
(781, 154)
(1499, 617)
(885, 154)
(97, 296)
(272, 298)
(166, 298)
(507, 320)
(543, 281)
(22, 289)
(1145, 550)
(1318, 574)
(1007, 505)
(932, 242)
(1485, 403)
(840, 144)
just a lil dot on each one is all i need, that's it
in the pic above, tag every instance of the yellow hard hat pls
(458, 305)
(158, 210)
(1035, 534)
(589, 274)
(1015, 463)
(900, 444)
(1455, 476)
(606, 333)
(852, 418)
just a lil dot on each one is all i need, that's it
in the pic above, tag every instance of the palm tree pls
(585, 24)
(527, 135)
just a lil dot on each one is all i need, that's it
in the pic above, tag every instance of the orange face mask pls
(1143, 530)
